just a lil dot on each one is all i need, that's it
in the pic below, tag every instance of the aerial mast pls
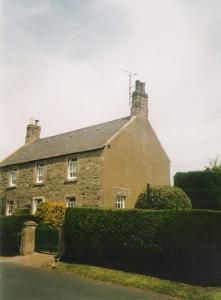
(130, 75)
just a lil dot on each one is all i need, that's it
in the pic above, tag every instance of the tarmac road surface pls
(21, 282)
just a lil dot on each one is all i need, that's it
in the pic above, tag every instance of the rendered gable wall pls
(134, 158)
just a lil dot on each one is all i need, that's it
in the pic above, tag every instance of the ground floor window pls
(70, 201)
(10, 208)
(35, 202)
(120, 201)
(28, 207)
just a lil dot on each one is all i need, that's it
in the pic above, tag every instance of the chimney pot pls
(137, 85)
(32, 122)
(142, 87)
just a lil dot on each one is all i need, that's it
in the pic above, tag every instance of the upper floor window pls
(120, 201)
(40, 173)
(70, 201)
(12, 179)
(72, 168)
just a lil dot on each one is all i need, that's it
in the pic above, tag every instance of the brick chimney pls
(33, 132)
(139, 101)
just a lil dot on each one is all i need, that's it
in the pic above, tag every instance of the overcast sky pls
(61, 63)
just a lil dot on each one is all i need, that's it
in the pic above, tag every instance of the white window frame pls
(13, 177)
(72, 168)
(40, 170)
(120, 201)
(10, 207)
(35, 202)
(70, 201)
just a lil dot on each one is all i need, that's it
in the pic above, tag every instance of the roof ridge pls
(82, 139)
(47, 137)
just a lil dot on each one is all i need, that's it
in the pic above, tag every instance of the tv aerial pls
(130, 75)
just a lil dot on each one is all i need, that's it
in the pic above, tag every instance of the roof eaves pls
(2, 161)
(50, 157)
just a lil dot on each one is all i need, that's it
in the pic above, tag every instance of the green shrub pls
(203, 188)
(145, 239)
(10, 232)
(51, 213)
(22, 211)
(163, 197)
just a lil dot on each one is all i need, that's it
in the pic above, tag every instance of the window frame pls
(11, 183)
(72, 202)
(39, 167)
(10, 208)
(34, 204)
(120, 202)
(72, 169)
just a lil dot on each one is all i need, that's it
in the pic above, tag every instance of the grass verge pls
(165, 287)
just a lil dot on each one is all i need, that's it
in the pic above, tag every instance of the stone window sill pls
(70, 180)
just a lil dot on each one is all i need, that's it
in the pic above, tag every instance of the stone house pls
(106, 165)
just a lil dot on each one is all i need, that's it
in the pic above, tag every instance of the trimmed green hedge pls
(203, 188)
(22, 211)
(189, 231)
(10, 233)
(145, 239)
(163, 197)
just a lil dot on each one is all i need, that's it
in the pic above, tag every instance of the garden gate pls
(46, 239)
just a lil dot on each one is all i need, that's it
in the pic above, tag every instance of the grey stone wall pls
(3, 185)
(87, 188)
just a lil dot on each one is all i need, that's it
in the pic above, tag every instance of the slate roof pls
(85, 139)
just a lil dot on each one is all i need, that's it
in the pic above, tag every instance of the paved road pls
(21, 283)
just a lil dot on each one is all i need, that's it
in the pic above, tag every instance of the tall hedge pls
(179, 238)
(203, 188)
(10, 233)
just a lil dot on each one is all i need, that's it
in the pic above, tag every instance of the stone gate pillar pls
(61, 243)
(27, 245)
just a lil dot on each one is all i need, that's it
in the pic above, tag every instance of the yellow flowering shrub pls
(52, 213)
